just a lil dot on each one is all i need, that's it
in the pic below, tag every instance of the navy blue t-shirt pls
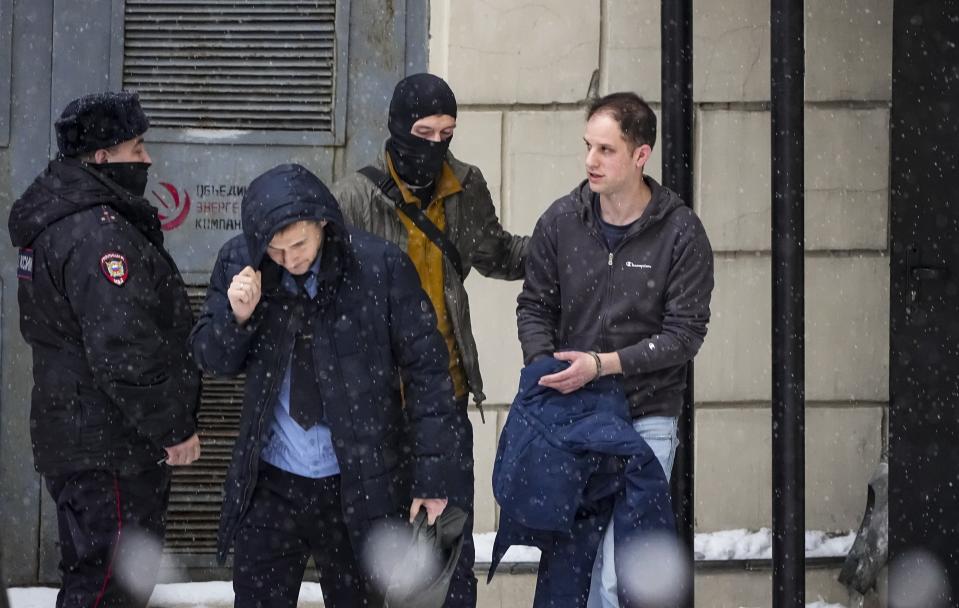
(612, 233)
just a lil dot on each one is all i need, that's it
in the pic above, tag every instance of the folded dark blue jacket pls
(565, 466)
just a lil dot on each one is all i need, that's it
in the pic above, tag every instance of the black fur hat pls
(99, 121)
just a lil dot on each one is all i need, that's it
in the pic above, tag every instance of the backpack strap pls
(388, 187)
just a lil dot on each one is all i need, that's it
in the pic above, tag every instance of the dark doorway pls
(924, 322)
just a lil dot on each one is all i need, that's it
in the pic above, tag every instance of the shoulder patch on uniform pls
(115, 267)
(25, 264)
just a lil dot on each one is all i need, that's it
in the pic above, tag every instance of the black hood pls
(66, 187)
(283, 195)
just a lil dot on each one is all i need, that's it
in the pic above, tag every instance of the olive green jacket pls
(472, 226)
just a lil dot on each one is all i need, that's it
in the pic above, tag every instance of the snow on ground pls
(758, 544)
(32, 597)
(218, 594)
(723, 545)
(517, 553)
(201, 595)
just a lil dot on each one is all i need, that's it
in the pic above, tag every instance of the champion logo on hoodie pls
(635, 265)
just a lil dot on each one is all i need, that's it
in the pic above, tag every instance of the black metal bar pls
(788, 339)
(676, 25)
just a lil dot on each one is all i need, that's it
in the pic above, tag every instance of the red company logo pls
(173, 209)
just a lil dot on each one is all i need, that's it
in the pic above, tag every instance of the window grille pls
(196, 493)
(233, 64)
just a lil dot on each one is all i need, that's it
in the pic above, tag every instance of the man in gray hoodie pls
(619, 275)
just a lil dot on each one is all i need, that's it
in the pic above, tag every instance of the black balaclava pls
(416, 160)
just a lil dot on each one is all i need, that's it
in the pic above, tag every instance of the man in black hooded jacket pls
(324, 321)
(106, 313)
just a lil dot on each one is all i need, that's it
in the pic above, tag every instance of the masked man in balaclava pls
(438, 209)
(106, 314)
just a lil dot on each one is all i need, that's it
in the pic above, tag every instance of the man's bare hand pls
(183, 453)
(244, 294)
(434, 508)
(582, 369)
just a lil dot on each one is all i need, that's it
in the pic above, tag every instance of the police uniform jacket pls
(106, 313)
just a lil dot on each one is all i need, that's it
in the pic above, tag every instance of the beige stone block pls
(484, 453)
(732, 186)
(848, 49)
(506, 590)
(734, 466)
(632, 48)
(733, 364)
(439, 43)
(493, 314)
(544, 161)
(847, 345)
(731, 50)
(753, 588)
(846, 177)
(847, 328)
(843, 447)
(518, 51)
(479, 141)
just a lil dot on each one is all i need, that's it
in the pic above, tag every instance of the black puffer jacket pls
(382, 329)
(106, 313)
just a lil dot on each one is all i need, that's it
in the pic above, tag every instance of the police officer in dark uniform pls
(106, 313)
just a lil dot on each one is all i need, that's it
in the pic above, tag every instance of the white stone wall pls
(521, 71)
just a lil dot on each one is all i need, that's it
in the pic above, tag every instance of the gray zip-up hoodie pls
(648, 299)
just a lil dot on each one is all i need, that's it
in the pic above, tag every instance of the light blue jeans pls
(660, 433)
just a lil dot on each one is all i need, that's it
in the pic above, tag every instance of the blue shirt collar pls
(289, 283)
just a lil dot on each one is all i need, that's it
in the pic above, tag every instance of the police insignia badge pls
(115, 268)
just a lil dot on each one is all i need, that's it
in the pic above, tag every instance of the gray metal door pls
(233, 88)
(924, 340)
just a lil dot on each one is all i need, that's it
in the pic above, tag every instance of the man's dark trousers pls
(462, 593)
(111, 536)
(289, 519)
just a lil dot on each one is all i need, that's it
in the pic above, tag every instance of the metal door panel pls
(924, 323)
